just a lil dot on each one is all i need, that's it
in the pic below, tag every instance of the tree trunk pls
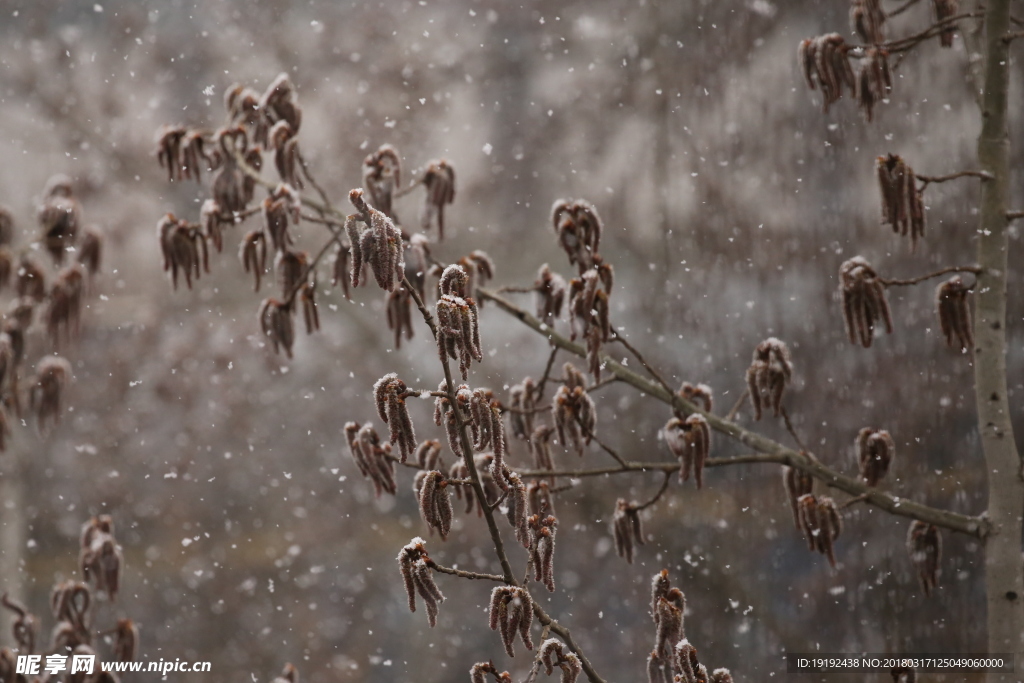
(1004, 571)
(12, 525)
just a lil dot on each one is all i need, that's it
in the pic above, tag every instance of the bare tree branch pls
(973, 526)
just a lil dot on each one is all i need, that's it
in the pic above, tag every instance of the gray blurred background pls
(729, 201)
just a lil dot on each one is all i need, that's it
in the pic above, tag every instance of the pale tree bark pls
(12, 525)
(1004, 570)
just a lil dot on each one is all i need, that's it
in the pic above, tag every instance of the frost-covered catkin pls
(864, 301)
(553, 654)
(252, 252)
(875, 452)
(517, 506)
(46, 395)
(436, 503)
(821, 523)
(627, 529)
(721, 676)
(540, 448)
(382, 175)
(439, 180)
(380, 245)
(511, 614)
(955, 313)
(100, 558)
(578, 229)
(874, 82)
(414, 565)
(389, 394)
(538, 495)
(902, 201)
(275, 319)
(458, 327)
(573, 411)
(699, 394)
(428, 455)
(542, 548)
(770, 372)
(825, 64)
(944, 9)
(867, 18)
(925, 547)
(797, 483)
(373, 460)
(522, 401)
(690, 441)
(686, 662)
(550, 291)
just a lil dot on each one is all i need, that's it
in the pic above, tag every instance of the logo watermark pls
(35, 665)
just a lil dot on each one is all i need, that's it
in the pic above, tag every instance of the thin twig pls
(927, 179)
(792, 430)
(643, 361)
(312, 181)
(736, 406)
(1014, 215)
(938, 273)
(901, 9)
(659, 494)
(909, 42)
(603, 383)
(512, 289)
(463, 574)
(606, 448)
(853, 501)
(547, 372)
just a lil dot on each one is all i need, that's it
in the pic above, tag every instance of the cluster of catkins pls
(578, 229)
(481, 412)
(373, 459)
(46, 393)
(867, 19)
(797, 483)
(382, 177)
(511, 614)
(58, 301)
(458, 326)
(431, 488)
(875, 451)
(690, 441)
(902, 201)
(553, 653)
(821, 524)
(573, 410)
(770, 372)
(414, 564)
(389, 395)
(825, 63)
(955, 313)
(864, 301)
(925, 547)
(99, 555)
(674, 658)
(235, 154)
(71, 603)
